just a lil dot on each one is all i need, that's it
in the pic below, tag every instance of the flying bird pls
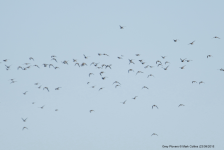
(91, 111)
(85, 56)
(46, 88)
(121, 27)
(181, 105)
(216, 37)
(24, 120)
(209, 56)
(150, 75)
(25, 128)
(154, 106)
(116, 86)
(139, 72)
(135, 97)
(37, 66)
(130, 70)
(201, 82)
(182, 67)
(166, 68)
(42, 107)
(182, 60)
(101, 88)
(191, 43)
(124, 102)
(54, 59)
(90, 74)
(145, 87)
(57, 88)
(131, 61)
(154, 134)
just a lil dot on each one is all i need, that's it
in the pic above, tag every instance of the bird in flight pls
(101, 88)
(154, 106)
(57, 88)
(46, 88)
(77, 64)
(13, 82)
(117, 86)
(191, 43)
(42, 107)
(182, 60)
(124, 102)
(54, 59)
(145, 87)
(201, 82)
(131, 61)
(189, 60)
(182, 67)
(37, 66)
(166, 68)
(167, 62)
(139, 72)
(85, 56)
(163, 57)
(175, 40)
(121, 27)
(154, 134)
(209, 56)
(25, 128)
(194, 81)
(135, 97)
(31, 58)
(150, 75)
(137, 54)
(91, 111)
(90, 74)
(158, 61)
(104, 78)
(216, 37)
(130, 70)
(101, 73)
(116, 82)
(24, 120)
(181, 105)
(25, 92)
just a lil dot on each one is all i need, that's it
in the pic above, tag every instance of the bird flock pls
(100, 71)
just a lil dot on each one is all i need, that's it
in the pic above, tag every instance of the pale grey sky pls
(68, 29)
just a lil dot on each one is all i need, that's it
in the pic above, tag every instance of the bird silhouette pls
(24, 120)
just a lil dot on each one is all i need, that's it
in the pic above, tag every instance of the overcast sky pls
(68, 29)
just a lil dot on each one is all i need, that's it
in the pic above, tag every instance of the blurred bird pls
(25, 128)
(24, 120)
(124, 102)
(182, 67)
(181, 105)
(46, 88)
(201, 82)
(191, 43)
(209, 56)
(154, 106)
